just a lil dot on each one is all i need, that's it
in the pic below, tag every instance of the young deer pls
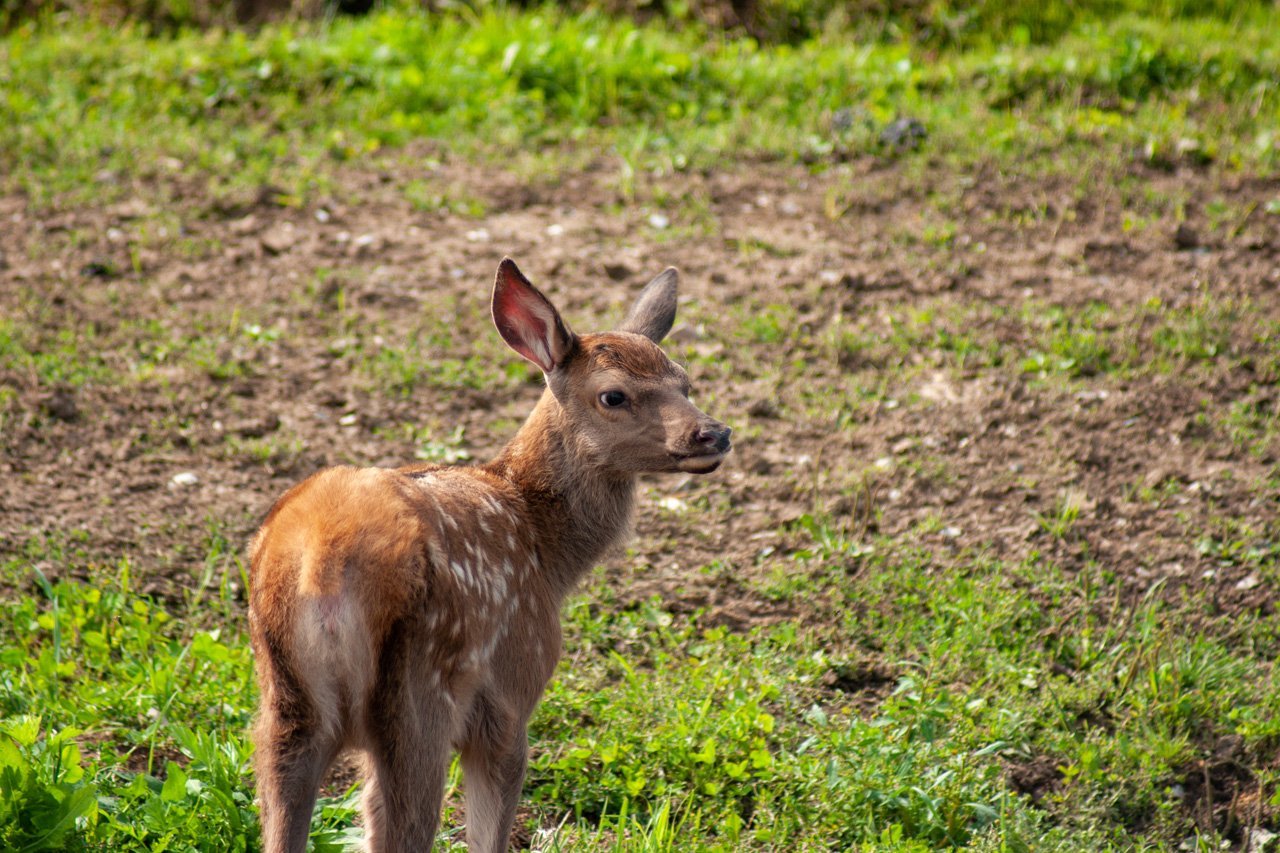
(407, 613)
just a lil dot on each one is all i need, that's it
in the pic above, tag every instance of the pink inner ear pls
(525, 323)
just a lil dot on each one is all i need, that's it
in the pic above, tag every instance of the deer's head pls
(625, 404)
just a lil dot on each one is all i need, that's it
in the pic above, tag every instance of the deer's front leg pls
(494, 756)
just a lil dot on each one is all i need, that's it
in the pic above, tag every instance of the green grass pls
(742, 744)
(66, 356)
(280, 107)
(655, 723)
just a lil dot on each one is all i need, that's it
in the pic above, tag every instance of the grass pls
(917, 692)
(87, 110)
(656, 722)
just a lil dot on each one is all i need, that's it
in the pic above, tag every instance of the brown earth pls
(980, 451)
(291, 303)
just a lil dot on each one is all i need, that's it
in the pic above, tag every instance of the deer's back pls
(436, 557)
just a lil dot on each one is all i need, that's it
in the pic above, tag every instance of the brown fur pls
(408, 613)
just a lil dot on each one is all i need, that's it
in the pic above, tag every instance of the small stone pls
(1249, 583)
(1228, 748)
(673, 504)
(478, 235)
(842, 119)
(951, 532)
(1160, 475)
(555, 229)
(185, 479)
(1260, 839)
(904, 134)
(1186, 145)
(279, 238)
(130, 209)
(659, 220)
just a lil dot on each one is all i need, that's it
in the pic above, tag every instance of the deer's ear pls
(527, 320)
(655, 308)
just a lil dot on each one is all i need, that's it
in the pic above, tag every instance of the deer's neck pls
(579, 509)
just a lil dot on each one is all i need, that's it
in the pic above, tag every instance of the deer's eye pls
(613, 399)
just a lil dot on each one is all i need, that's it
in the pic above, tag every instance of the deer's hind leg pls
(411, 720)
(292, 753)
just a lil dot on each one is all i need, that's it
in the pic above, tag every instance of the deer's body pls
(412, 612)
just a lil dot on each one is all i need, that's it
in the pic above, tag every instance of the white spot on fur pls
(435, 553)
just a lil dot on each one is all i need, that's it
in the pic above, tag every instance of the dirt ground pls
(233, 338)
(981, 451)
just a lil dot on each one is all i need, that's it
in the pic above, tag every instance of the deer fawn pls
(407, 613)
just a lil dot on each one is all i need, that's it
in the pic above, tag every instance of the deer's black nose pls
(713, 435)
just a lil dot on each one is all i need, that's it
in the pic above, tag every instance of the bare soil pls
(982, 450)
(953, 458)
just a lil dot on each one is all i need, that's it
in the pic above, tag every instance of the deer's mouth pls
(699, 463)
